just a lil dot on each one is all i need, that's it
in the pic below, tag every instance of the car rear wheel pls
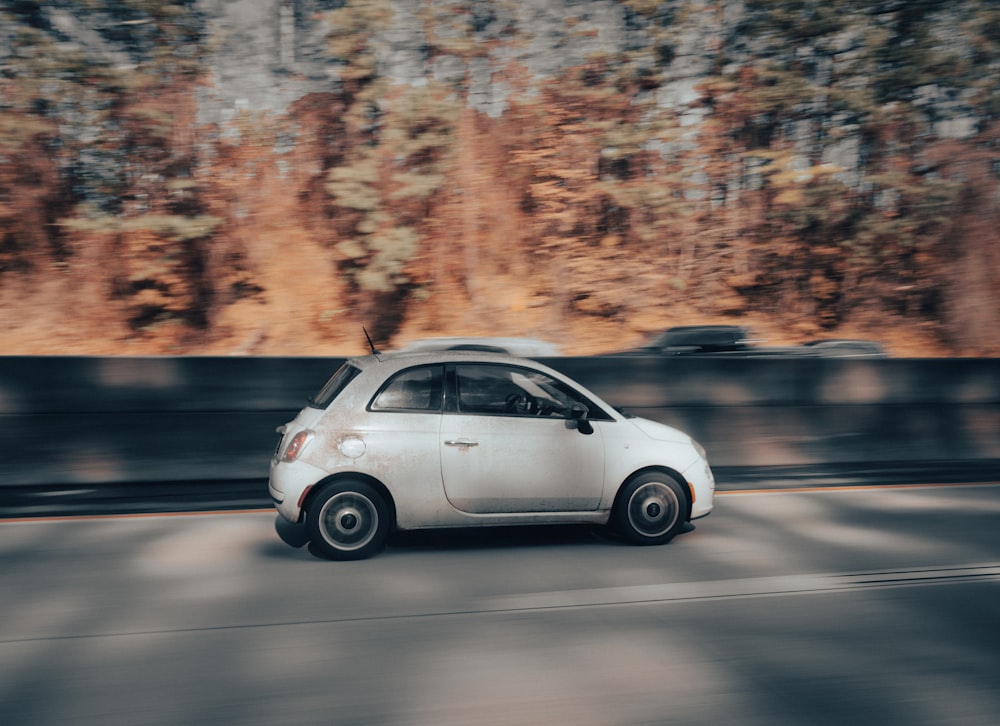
(348, 520)
(650, 509)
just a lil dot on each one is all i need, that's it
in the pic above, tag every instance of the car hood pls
(658, 431)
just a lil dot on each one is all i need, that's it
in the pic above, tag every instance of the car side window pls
(415, 389)
(512, 391)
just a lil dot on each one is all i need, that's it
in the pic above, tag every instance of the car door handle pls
(461, 442)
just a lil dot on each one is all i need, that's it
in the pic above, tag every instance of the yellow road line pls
(136, 515)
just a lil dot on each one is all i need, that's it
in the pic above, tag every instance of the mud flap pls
(294, 535)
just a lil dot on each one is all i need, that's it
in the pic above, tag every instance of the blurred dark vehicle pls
(739, 341)
(845, 349)
(697, 339)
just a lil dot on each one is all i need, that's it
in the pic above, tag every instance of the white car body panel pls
(630, 450)
(561, 474)
(557, 468)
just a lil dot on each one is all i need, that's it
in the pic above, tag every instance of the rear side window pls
(337, 383)
(416, 389)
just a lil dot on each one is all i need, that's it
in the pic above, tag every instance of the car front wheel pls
(349, 520)
(650, 509)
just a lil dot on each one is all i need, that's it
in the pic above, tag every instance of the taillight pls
(296, 445)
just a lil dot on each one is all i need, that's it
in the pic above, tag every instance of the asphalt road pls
(829, 606)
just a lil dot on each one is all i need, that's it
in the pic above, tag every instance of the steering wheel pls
(521, 403)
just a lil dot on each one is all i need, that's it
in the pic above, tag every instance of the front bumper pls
(702, 482)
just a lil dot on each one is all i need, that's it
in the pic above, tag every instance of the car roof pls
(405, 358)
(513, 346)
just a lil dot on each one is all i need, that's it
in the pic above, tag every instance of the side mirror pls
(578, 412)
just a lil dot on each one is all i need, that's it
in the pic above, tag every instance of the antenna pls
(369, 339)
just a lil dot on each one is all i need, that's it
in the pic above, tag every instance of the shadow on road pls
(483, 538)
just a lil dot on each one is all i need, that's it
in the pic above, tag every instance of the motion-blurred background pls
(264, 176)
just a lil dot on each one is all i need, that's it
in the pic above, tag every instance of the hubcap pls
(348, 521)
(653, 509)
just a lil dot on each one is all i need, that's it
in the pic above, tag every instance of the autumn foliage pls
(802, 188)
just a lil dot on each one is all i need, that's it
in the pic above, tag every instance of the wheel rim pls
(653, 509)
(348, 521)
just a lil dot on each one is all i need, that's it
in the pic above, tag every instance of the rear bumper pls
(287, 485)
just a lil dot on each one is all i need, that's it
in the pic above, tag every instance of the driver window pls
(506, 390)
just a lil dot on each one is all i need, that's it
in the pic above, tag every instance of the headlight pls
(700, 449)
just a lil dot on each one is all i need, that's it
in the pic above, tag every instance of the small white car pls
(465, 439)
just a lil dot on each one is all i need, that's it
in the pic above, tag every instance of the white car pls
(465, 439)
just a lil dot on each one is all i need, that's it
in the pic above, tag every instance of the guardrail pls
(67, 421)
(815, 412)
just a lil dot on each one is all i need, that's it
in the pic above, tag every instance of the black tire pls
(651, 509)
(348, 520)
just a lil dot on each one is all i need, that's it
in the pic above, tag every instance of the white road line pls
(683, 592)
(805, 488)
(775, 586)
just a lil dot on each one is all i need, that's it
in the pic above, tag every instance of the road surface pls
(875, 605)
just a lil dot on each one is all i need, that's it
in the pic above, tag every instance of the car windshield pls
(338, 381)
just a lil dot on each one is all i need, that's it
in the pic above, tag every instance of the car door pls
(509, 444)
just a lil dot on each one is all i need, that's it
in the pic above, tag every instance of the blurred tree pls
(393, 157)
(828, 246)
(104, 149)
(835, 157)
